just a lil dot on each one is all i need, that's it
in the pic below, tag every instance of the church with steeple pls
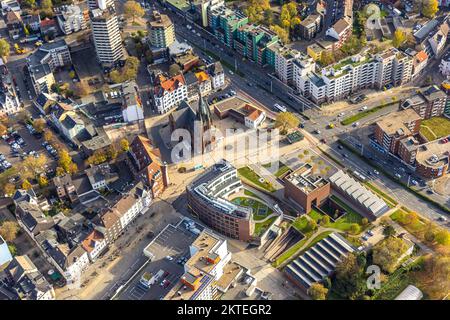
(196, 117)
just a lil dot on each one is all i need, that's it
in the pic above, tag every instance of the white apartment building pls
(106, 34)
(130, 206)
(284, 61)
(161, 30)
(217, 75)
(169, 93)
(94, 244)
(351, 74)
(102, 4)
(444, 66)
(132, 109)
(71, 19)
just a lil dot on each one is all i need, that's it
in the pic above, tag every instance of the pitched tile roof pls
(88, 243)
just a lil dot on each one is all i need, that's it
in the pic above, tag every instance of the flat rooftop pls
(434, 154)
(395, 121)
(305, 179)
(173, 241)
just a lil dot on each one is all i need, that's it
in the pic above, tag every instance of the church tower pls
(204, 120)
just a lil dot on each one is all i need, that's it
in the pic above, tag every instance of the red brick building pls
(395, 127)
(305, 189)
(146, 162)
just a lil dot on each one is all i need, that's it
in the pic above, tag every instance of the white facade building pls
(217, 75)
(132, 109)
(169, 93)
(444, 66)
(352, 74)
(106, 34)
(71, 19)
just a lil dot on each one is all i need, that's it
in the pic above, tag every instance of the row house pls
(113, 221)
(427, 102)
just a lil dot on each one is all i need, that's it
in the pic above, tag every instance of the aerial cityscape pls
(225, 150)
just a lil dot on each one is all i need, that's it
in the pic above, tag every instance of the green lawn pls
(316, 215)
(397, 282)
(343, 223)
(440, 126)
(301, 224)
(417, 228)
(289, 252)
(255, 205)
(362, 114)
(261, 227)
(251, 176)
(282, 170)
(316, 239)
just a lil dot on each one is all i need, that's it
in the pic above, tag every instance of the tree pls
(4, 48)
(9, 189)
(386, 253)
(128, 72)
(26, 185)
(174, 69)
(354, 228)
(268, 17)
(411, 218)
(430, 8)
(364, 221)
(125, 145)
(65, 162)
(48, 135)
(98, 157)
(434, 279)
(399, 38)
(350, 280)
(46, 4)
(32, 166)
(31, 4)
(281, 33)
(9, 230)
(133, 9)
(311, 225)
(443, 237)
(255, 10)
(3, 129)
(111, 152)
(39, 125)
(389, 231)
(325, 220)
(42, 181)
(326, 58)
(286, 121)
(149, 56)
(317, 291)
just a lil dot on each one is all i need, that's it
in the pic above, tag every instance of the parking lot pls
(21, 143)
(167, 251)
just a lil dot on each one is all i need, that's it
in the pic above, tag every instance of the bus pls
(279, 108)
